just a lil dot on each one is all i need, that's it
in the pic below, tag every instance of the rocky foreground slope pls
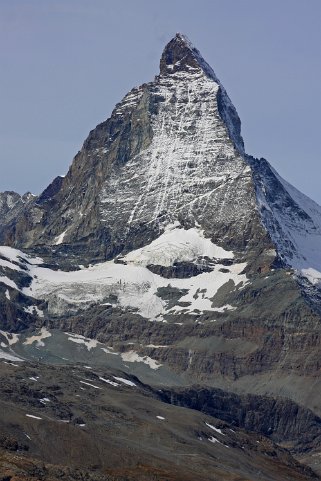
(102, 425)
(168, 253)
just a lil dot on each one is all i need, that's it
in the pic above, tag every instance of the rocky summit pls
(164, 296)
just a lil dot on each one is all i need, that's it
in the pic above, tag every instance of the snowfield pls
(177, 245)
(133, 284)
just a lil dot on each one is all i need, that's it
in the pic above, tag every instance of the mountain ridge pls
(170, 154)
(186, 56)
(168, 253)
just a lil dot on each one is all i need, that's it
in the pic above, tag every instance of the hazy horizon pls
(66, 64)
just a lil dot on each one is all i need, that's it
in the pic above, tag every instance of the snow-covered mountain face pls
(170, 155)
(163, 217)
(130, 284)
(169, 254)
(171, 152)
(192, 171)
(292, 220)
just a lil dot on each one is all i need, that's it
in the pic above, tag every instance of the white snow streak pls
(125, 381)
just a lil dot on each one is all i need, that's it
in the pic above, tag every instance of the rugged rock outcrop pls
(280, 419)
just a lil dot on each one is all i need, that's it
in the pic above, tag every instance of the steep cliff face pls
(171, 152)
(15, 208)
(9, 201)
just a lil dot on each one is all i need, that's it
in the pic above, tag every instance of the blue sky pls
(65, 63)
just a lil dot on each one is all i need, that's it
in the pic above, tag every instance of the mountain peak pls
(181, 55)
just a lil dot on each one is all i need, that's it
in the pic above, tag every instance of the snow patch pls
(11, 337)
(16, 255)
(9, 265)
(38, 338)
(225, 308)
(45, 400)
(108, 381)
(214, 440)
(10, 363)
(215, 429)
(60, 238)
(124, 381)
(34, 309)
(132, 356)
(202, 288)
(78, 339)
(89, 384)
(8, 356)
(177, 245)
(9, 282)
(109, 350)
(312, 275)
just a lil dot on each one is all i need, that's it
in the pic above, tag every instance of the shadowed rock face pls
(281, 419)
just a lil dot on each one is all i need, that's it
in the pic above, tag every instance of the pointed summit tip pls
(181, 55)
(180, 37)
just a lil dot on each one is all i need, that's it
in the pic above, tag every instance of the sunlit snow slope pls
(130, 284)
(292, 219)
